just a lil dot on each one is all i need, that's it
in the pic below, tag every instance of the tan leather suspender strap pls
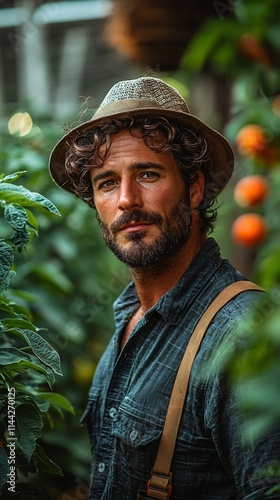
(159, 485)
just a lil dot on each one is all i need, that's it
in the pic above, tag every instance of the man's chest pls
(129, 327)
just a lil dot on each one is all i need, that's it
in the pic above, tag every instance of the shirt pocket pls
(137, 439)
(91, 419)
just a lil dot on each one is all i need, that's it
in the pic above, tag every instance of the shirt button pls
(112, 412)
(133, 435)
(101, 467)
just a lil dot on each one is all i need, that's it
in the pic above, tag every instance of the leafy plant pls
(28, 362)
(70, 280)
(241, 47)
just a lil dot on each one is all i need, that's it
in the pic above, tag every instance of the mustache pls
(136, 216)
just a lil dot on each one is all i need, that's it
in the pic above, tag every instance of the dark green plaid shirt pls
(130, 393)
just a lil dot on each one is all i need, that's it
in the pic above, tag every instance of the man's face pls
(141, 202)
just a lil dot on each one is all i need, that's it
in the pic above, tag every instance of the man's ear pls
(197, 191)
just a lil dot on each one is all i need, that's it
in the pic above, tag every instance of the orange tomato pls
(251, 140)
(251, 190)
(249, 230)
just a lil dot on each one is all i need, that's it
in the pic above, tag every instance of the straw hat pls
(141, 97)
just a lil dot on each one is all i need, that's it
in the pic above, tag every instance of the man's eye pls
(107, 184)
(149, 175)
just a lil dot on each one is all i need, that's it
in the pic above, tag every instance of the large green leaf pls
(20, 195)
(6, 261)
(29, 428)
(6, 305)
(16, 216)
(17, 322)
(44, 463)
(41, 348)
(27, 395)
(6, 282)
(12, 307)
(57, 400)
(20, 238)
(16, 359)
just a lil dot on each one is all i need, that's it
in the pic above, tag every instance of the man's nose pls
(129, 195)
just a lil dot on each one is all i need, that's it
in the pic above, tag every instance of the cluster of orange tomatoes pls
(250, 229)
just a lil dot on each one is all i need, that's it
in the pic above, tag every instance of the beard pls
(174, 232)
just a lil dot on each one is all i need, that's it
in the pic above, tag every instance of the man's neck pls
(153, 282)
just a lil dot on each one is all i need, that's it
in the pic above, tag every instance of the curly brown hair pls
(188, 146)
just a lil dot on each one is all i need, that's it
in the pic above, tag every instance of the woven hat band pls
(125, 106)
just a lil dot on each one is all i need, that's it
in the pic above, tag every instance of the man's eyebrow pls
(146, 165)
(104, 174)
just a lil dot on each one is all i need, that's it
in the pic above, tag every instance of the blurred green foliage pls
(69, 280)
(241, 47)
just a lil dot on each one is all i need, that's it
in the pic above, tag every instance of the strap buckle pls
(159, 486)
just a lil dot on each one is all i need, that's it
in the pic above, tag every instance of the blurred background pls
(57, 61)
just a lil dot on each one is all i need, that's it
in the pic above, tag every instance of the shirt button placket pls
(133, 435)
(112, 412)
(101, 467)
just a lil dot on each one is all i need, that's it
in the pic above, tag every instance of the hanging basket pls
(155, 33)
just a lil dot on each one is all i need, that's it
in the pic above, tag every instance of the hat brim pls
(220, 149)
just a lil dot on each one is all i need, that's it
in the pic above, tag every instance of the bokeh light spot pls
(20, 124)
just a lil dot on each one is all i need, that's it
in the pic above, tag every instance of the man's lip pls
(134, 226)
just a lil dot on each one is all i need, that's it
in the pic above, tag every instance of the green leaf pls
(42, 349)
(7, 281)
(43, 406)
(57, 400)
(6, 305)
(16, 216)
(50, 272)
(19, 239)
(27, 395)
(20, 195)
(20, 361)
(6, 261)
(44, 463)
(17, 322)
(32, 221)
(29, 428)
(11, 307)
(11, 177)
(273, 490)
(206, 40)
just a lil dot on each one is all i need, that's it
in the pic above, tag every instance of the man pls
(152, 171)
